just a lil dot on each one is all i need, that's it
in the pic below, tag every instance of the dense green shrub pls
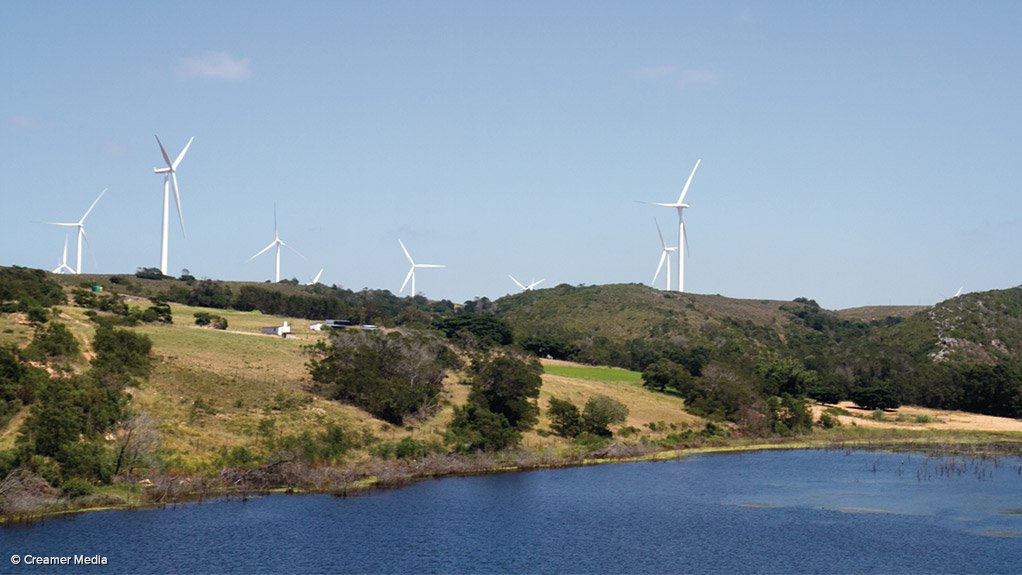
(23, 288)
(54, 341)
(565, 418)
(392, 376)
(475, 428)
(600, 412)
(508, 385)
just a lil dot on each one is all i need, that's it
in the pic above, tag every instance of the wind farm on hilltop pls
(170, 169)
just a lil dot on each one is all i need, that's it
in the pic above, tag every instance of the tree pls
(508, 385)
(789, 414)
(392, 376)
(565, 418)
(664, 374)
(600, 412)
(876, 396)
(476, 428)
(136, 443)
(150, 274)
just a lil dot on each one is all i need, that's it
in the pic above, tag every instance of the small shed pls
(281, 330)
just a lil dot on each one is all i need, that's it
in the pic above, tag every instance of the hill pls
(126, 364)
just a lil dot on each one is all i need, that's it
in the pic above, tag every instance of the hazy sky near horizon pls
(857, 153)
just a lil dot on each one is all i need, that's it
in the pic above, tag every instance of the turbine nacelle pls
(411, 270)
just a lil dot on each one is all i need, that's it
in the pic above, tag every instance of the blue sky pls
(858, 153)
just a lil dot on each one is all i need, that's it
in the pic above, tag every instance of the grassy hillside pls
(211, 390)
(627, 311)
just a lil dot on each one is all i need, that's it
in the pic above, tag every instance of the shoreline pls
(999, 445)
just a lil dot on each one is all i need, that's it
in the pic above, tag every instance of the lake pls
(754, 512)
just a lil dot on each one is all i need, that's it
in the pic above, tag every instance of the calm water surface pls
(759, 512)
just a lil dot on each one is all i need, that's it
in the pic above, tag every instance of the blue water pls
(759, 512)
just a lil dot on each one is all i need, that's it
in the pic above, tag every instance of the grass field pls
(603, 374)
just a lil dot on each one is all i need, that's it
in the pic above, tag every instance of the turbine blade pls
(411, 272)
(263, 251)
(94, 202)
(663, 256)
(517, 283)
(405, 250)
(177, 200)
(181, 156)
(294, 250)
(67, 225)
(659, 233)
(684, 234)
(315, 280)
(534, 284)
(163, 151)
(429, 266)
(688, 183)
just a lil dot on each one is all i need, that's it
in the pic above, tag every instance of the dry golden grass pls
(210, 389)
(912, 417)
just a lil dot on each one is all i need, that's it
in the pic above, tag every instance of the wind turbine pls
(411, 270)
(80, 224)
(665, 256)
(315, 280)
(680, 205)
(529, 287)
(170, 176)
(278, 243)
(63, 267)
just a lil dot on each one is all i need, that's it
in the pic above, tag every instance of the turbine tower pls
(680, 205)
(170, 176)
(80, 224)
(278, 243)
(665, 256)
(411, 270)
(529, 287)
(63, 268)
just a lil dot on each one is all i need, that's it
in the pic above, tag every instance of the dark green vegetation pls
(392, 376)
(728, 358)
(502, 403)
(599, 413)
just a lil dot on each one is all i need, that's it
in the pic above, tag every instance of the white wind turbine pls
(411, 270)
(170, 176)
(529, 287)
(680, 205)
(278, 243)
(63, 268)
(665, 256)
(80, 224)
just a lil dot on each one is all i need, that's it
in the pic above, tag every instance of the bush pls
(565, 418)
(476, 428)
(150, 274)
(53, 341)
(392, 376)
(828, 421)
(508, 385)
(203, 318)
(600, 412)
(122, 354)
